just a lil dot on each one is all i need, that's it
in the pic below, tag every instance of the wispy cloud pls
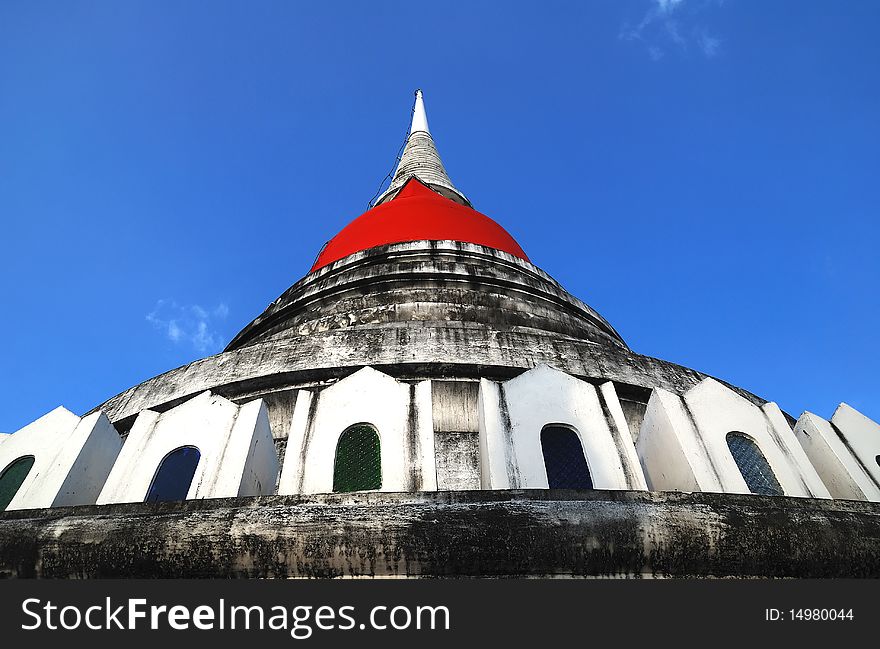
(709, 44)
(676, 25)
(189, 324)
(667, 5)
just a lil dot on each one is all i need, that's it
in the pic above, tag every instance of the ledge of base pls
(533, 533)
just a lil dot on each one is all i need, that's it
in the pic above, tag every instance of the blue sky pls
(703, 173)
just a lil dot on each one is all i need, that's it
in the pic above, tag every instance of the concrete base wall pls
(464, 533)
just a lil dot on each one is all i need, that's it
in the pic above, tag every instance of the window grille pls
(358, 463)
(564, 459)
(12, 478)
(175, 475)
(753, 465)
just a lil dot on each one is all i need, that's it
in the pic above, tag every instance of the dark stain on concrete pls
(510, 463)
(414, 459)
(617, 436)
(307, 438)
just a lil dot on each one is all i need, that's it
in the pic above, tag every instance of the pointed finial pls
(421, 160)
(420, 119)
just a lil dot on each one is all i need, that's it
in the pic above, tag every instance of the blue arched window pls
(358, 463)
(753, 465)
(174, 476)
(564, 459)
(12, 477)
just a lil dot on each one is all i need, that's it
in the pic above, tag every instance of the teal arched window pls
(174, 476)
(12, 478)
(564, 459)
(358, 462)
(754, 467)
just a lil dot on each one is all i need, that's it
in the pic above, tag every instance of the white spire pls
(421, 160)
(419, 119)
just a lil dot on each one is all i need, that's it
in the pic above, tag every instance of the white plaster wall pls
(498, 467)
(233, 458)
(401, 414)
(839, 469)
(513, 415)
(717, 410)
(683, 443)
(668, 448)
(72, 458)
(249, 464)
(862, 435)
(298, 444)
(623, 438)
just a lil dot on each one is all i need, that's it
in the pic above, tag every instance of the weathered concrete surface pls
(458, 460)
(455, 406)
(421, 281)
(417, 310)
(413, 354)
(524, 533)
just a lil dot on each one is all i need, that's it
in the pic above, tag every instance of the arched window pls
(12, 477)
(564, 459)
(358, 464)
(753, 465)
(174, 476)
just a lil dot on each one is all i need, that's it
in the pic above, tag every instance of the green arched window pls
(754, 467)
(358, 463)
(12, 477)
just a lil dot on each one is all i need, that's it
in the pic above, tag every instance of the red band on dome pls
(417, 213)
